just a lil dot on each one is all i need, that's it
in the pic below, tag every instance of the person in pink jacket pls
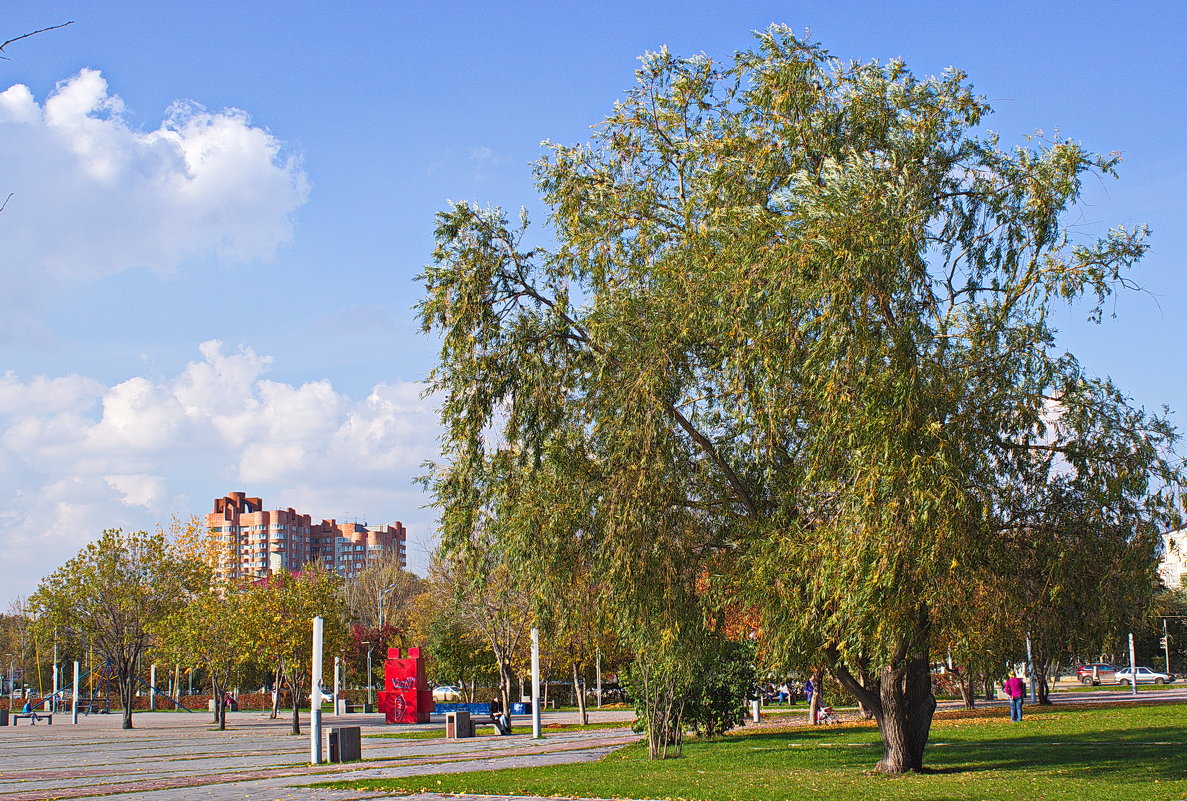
(1016, 690)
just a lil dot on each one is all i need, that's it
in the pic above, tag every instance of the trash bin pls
(345, 743)
(458, 725)
(3, 717)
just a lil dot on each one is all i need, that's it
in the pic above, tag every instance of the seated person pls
(29, 710)
(499, 717)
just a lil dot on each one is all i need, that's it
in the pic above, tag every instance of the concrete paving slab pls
(173, 756)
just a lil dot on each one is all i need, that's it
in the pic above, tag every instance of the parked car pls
(1143, 675)
(1096, 673)
(446, 694)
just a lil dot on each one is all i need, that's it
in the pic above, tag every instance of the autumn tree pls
(380, 596)
(457, 654)
(278, 615)
(112, 594)
(208, 633)
(796, 321)
(485, 600)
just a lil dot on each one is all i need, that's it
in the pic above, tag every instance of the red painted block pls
(406, 697)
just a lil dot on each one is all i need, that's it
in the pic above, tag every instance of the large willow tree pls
(792, 338)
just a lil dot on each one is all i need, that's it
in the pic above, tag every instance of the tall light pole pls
(11, 677)
(369, 645)
(379, 605)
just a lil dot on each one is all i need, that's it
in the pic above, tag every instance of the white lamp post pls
(315, 695)
(370, 645)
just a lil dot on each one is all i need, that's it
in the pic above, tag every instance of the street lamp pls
(379, 606)
(370, 687)
(11, 677)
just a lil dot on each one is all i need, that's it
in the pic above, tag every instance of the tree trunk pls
(127, 685)
(814, 704)
(277, 686)
(579, 691)
(901, 699)
(907, 709)
(216, 696)
(295, 689)
(1042, 668)
(968, 691)
(505, 680)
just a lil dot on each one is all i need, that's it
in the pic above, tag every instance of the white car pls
(1144, 675)
(446, 694)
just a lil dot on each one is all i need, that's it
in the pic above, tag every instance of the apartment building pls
(258, 542)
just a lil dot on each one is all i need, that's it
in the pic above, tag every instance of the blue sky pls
(172, 336)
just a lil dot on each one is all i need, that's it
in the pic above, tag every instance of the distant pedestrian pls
(784, 693)
(808, 690)
(1016, 690)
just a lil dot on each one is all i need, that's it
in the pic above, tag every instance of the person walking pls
(1016, 690)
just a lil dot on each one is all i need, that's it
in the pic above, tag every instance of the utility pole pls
(1166, 646)
(370, 645)
(337, 674)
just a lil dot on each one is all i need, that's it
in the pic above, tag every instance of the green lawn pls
(486, 729)
(1115, 688)
(1079, 753)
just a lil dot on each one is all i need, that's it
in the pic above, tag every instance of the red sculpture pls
(405, 697)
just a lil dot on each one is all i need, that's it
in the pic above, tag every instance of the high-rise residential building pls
(258, 542)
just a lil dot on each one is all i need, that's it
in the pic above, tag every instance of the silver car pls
(1143, 675)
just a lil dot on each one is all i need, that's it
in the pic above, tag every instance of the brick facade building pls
(259, 542)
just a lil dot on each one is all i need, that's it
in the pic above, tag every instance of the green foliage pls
(208, 633)
(112, 596)
(725, 678)
(277, 620)
(458, 655)
(794, 340)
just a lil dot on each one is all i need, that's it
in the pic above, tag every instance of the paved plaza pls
(176, 755)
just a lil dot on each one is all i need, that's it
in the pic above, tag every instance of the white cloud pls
(78, 457)
(93, 196)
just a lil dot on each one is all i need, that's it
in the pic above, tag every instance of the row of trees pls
(136, 598)
(790, 357)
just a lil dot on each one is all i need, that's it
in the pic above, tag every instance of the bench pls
(352, 708)
(34, 717)
(474, 724)
(101, 706)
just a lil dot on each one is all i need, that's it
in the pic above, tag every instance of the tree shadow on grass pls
(1140, 754)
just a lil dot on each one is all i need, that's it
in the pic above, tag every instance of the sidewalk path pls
(173, 756)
